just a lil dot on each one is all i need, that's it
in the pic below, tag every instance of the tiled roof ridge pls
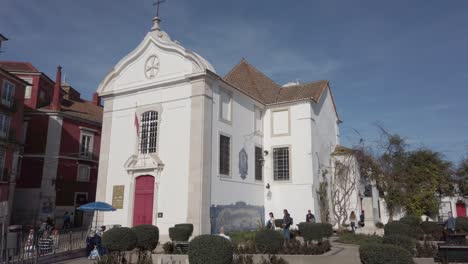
(28, 64)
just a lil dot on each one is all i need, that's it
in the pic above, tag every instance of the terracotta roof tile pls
(15, 66)
(76, 108)
(82, 109)
(250, 80)
(253, 82)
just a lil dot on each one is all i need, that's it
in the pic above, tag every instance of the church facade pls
(182, 144)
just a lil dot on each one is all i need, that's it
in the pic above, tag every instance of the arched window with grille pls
(148, 132)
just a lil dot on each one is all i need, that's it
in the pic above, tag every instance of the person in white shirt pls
(271, 221)
(221, 233)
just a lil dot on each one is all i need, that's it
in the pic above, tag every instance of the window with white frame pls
(258, 120)
(3, 176)
(148, 132)
(4, 125)
(83, 173)
(281, 164)
(28, 89)
(224, 155)
(86, 144)
(8, 93)
(225, 106)
(280, 124)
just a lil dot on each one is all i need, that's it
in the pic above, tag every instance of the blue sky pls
(400, 63)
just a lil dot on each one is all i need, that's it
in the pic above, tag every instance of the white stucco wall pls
(241, 129)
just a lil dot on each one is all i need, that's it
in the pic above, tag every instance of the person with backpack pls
(287, 223)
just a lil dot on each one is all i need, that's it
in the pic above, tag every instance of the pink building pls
(61, 151)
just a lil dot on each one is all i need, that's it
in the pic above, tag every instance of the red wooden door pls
(143, 206)
(461, 210)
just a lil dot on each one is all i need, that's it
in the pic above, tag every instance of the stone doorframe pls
(143, 165)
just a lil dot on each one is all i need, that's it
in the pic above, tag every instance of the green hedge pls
(186, 225)
(147, 236)
(461, 224)
(210, 249)
(432, 230)
(315, 231)
(411, 220)
(384, 254)
(179, 233)
(404, 242)
(119, 239)
(268, 241)
(398, 228)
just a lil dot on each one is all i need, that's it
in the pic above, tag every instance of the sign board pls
(118, 196)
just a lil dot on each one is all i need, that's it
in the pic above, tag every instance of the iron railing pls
(31, 247)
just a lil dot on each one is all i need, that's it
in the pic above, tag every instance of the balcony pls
(9, 106)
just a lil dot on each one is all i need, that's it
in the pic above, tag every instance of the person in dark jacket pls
(450, 223)
(310, 218)
(287, 222)
(362, 219)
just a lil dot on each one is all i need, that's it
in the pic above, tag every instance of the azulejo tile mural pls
(236, 217)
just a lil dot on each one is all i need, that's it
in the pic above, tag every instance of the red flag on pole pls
(137, 125)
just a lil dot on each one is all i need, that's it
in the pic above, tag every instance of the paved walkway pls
(340, 254)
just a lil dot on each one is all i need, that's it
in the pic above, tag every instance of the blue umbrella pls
(96, 207)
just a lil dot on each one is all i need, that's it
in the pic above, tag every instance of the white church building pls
(182, 144)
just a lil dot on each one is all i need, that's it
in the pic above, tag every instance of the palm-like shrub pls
(398, 228)
(411, 220)
(462, 224)
(432, 230)
(179, 233)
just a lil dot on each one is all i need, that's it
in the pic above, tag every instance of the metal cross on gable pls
(157, 3)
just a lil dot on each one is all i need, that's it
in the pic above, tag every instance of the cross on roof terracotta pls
(157, 4)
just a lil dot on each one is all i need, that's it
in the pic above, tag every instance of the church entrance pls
(461, 209)
(144, 195)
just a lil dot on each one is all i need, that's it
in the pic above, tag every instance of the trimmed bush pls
(404, 242)
(179, 233)
(279, 223)
(461, 224)
(147, 236)
(432, 230)
(411, 220)
(268, 241)
(398, 228)
(187, 225)
(210, 249)
(315, 231)
(359, 239)
(119, 239)
(384, 254)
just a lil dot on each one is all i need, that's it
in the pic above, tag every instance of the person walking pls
(362, 218)
(66, 221)
(352, 220)
(271, 222)
(450, 224)
(310, 218)
(287, 222)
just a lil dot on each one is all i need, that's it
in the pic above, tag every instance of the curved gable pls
(174, 62)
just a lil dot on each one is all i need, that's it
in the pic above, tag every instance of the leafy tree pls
(426, 174)
(406, 179)
(462, 177)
